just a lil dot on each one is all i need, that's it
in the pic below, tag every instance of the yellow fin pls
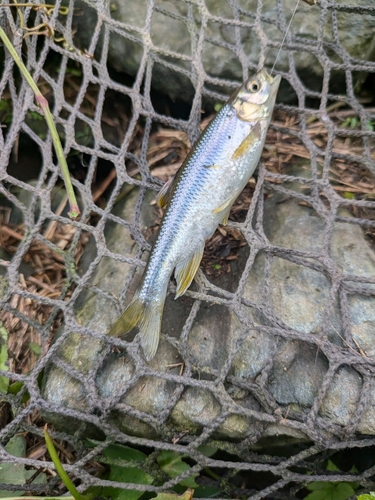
(248, 142)
(164, 195)
(147, 316)
(226, 205)
(149, 328)
(129, 319)
(224, 222)
(186, 270)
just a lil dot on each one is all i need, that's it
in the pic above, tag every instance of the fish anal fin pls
(164, 195)
(186, 270)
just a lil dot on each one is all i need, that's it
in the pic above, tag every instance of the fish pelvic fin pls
(225, 209)
(147, 317)
(227, 205)
(186, 270)
(226, 212)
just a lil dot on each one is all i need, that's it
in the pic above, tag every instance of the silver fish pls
(199, 198)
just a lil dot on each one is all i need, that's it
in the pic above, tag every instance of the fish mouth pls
(273, 82)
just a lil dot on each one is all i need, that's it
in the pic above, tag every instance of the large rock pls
(260, 380)
(174, 40)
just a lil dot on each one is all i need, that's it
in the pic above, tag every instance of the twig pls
(12, 233)
(329, 109)
(42, 101)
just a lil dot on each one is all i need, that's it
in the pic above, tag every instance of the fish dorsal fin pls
(186, 270)
(164, 195)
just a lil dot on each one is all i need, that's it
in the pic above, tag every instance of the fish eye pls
(253, 85)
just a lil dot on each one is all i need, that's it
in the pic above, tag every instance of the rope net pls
(248, 382)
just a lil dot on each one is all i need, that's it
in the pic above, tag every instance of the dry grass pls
(42, 273)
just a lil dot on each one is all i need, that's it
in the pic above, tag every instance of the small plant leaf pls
(119, 451)
(348, 195)
(323, 490)
(35, 348)
(172, 464)
(15, 387)
(207, 450)
(4, 381)
(331, 466)
(123, 468)
(126, 475)
(13, 473)
(367, 496)
(188, 495)
(207, 492)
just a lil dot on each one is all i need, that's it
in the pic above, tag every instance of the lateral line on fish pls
(285, 35)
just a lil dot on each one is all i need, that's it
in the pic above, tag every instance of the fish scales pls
(198, 199)
(192, 202)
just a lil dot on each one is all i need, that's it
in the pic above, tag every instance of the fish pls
(199, 198)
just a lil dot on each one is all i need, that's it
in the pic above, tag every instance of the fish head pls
(255, 99)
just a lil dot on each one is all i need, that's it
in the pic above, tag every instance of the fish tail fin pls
(129, 318)
(150, 326)
(147, 316)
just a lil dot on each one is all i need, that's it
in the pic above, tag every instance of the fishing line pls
(286, 32)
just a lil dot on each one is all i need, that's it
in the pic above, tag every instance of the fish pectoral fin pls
(225, 208)
(254, 136)
(164, 195)
(227, 203)
(186, 270)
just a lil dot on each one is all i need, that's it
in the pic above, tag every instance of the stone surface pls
(264, 373)
(218, 57)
